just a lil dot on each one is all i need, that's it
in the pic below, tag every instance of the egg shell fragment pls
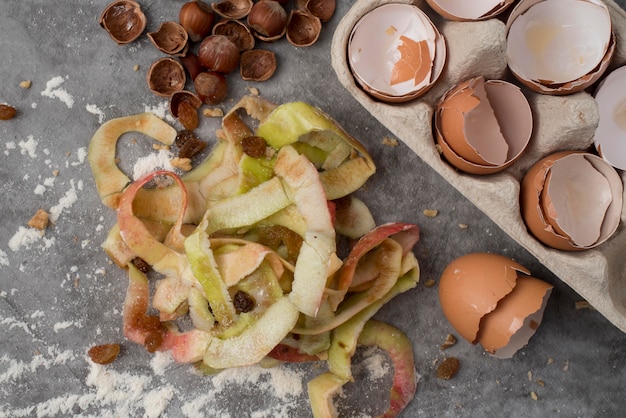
(469, 10)
(483, 126)
(573, 188)
(518, 315)
(396, 53)
(610, 135)
(472, 285)
(559, 46)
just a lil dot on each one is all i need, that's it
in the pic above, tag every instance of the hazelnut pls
(303, 29)
(170, 38)
(268, 20)
(211, 87)
(257, 65)
(7, 112)
(232, 9)
(237, 32)
(123, 20)
(192, 65)
(197, 18)
(166, 76)
(218, 53)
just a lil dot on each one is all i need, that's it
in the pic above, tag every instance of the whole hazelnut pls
(268, 19)
(197, 18)
(211, 87)
(218, 53)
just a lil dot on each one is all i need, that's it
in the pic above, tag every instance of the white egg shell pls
(610, 135)
(469, 10)
(559, 46)
(395, 52)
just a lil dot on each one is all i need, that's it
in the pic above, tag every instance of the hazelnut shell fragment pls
(232, 9)
(237, 32)
(123, 20)
(322, 9)
(303, 29)
(166, 76)
(170, 38)
(257, 65)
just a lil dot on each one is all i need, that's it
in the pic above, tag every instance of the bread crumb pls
(463, 226)
(392, 142)
(55, 173)
(431, 213)
(39, 220)
(530, 376)
(182, 163)
(550, 360)
(136, 67)
(26, 84)
(540, 382)
(214, 112)
(253, 90)
(430, 282)
(533, 396)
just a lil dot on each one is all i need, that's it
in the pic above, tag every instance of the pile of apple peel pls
(245, 249)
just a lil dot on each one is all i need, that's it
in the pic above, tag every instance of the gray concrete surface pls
(59, 294)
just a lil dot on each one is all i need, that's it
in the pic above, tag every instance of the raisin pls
(188, 144)
(188, 115)
(141, 264)
(104, 354)
(275, 235)
(7, 112)
(153, 341)
(254, 146)
(448, 368)
(243, 302)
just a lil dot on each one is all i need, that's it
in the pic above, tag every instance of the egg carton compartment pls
(560, 123)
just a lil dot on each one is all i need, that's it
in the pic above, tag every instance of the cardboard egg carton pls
(560, 123)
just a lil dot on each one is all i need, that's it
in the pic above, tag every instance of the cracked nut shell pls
(232, 9)
(166, 76)
(170, 38)
(322, 9)
(303, 29)
(257, 65)
(237, 32)
(123, 20)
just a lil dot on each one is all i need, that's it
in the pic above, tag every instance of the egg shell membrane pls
(516, 318)
(534, 212)
(610, 135)
(466, 11)
(546, 86)
(460, 129)
(412, 51)
(472, 285)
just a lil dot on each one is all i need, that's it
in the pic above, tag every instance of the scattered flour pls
(94, 110)
(161, 110)
(65, 202)
(13, 369)
(24, 238)
(59, 326)
(155, 161)
(4, 259)
(29, 146)
(53, 91)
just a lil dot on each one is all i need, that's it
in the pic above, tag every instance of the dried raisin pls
(254, 146)
(104, 354)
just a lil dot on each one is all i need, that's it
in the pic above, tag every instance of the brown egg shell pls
(166, 76)
(572, 86)
(472, 285)
(497, 9)
(123, 20)
(511, 325)
(170, 38)
(534, 211)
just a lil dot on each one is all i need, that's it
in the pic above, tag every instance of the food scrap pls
(39, 220)
(448, 368)
(104, 354)
(244, 246)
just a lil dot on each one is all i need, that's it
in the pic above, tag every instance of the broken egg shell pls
(510, 326)
(483, 126)
(166, 76)
(539, 216)
(257, 65)
(303, 29)
(183, 96)
(560, 46)
(237, 32)
(466, 11)
(232, 9)
(472, 285)
(396, 53)
(124, 21)
(610, 134)
(170, 38)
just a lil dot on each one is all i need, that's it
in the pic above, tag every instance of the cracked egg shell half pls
(491, 299)
(571, 200)
(483, 126)
(396, 53)
(559, 47)
(610, 135)
(469, 10)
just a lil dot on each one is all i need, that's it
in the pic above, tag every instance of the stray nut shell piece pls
(123, 20)
(166, 76)
(170, 38)
(236, 31)
(322, 9)
(232, 9)
(303, 29)
(257, 65)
